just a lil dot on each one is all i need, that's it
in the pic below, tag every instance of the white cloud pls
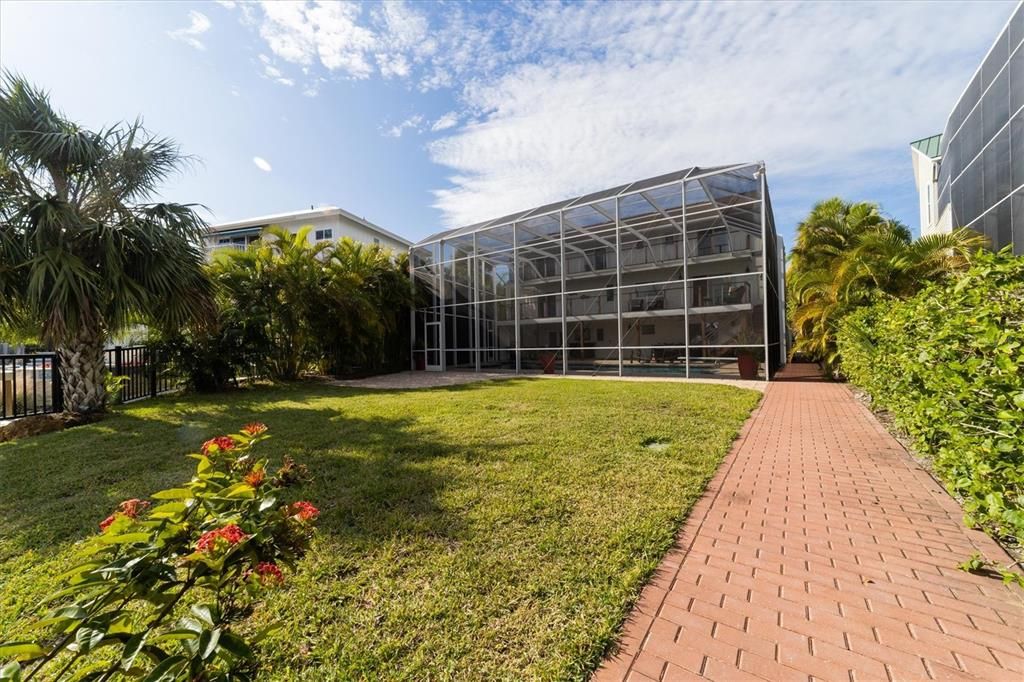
(412, 123)
(814, 90)
(324, 32)
(273, 73)
(449, 120)
(262, 164)
(556, 99)
(227, 4)
(199, 24)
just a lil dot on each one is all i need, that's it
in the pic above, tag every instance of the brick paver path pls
(822, 551)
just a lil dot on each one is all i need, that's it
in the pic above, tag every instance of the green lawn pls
(490, 531)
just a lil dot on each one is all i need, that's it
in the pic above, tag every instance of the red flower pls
(231, 534)
(132, 507)
(305, 511)
(255, 478)
(129, 508)
(268, 572)
(218, 444)
(254, 428)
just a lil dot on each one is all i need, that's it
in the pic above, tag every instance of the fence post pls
(58, 387)
(118, 362)
(152, 372)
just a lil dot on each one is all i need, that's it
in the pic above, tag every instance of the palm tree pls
(369, 291)
(275, 285)
(848, 255)
(82, 256)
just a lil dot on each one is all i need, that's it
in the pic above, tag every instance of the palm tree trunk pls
(82, 371)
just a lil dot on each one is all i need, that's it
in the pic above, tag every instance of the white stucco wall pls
(927, 194)
(340, 225)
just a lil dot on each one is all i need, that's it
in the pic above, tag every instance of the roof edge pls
(323, 212)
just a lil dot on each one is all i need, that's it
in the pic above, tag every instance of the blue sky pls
(422, 116)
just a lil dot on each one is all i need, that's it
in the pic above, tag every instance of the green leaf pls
(78, 570)
(236, 646)
(172, 494)
(167, 510)
(209, 648)
(124, 538)
(87, 638)
(65, 616)
(10, 672)
(23, 651)
(238, 490)
(131, 650)
(205, 613)
(168, 670)
(177, 635)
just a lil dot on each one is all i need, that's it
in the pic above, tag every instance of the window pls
(647, 330)
(600, 333)
(376, 241)
(322, 235)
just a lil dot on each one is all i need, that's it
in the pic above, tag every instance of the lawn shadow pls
(371, 477)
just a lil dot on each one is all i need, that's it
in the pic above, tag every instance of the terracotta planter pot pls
(748, 366)
(547, 361)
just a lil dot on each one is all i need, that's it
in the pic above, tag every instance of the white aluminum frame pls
(519, 233)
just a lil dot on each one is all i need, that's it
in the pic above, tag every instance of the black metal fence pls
(145, 372)
(30, 383)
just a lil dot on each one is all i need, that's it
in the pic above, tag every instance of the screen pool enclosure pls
(677, 275)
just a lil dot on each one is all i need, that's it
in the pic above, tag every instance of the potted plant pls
(547, 361)
(748, 364)
(748, 359)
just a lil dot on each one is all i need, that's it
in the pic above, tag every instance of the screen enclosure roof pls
(637, 186)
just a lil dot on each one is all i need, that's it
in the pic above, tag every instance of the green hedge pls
(949, 365)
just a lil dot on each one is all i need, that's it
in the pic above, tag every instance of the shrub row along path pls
(822, 551)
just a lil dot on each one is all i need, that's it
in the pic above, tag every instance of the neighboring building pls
(677, 275)
(328, 223)
(924, 155)
(980, 154)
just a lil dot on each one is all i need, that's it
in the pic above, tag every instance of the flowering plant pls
(223, 535)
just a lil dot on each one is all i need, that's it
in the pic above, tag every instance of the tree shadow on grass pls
(372, 476)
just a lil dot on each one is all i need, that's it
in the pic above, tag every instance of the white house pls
(327, 223)
(926, 158)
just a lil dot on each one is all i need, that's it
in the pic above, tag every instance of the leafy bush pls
(949, 365)
(209, 357)
(329, 307)
(223, 535)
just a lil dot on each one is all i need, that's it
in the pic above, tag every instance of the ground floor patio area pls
(423, 379)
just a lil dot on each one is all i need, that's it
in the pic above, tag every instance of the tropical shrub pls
(363, 321)
(948, 364)
(209, 357)
(330, 307)
(847, 255)
(220, 538)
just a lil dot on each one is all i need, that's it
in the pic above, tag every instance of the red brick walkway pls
(822, 551)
